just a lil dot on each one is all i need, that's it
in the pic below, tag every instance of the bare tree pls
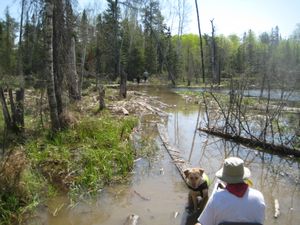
(71, 71)
(215, 78)
(6, 114)
(59, 55)
(19, 109)
(262, 128)
(49, 7)
(84, 40)
(14, 119)
(191, 66)
(123, 83)
(200, 41)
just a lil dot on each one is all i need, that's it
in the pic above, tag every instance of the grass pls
(21, 187)
(22, 198)
(1, 127)
(94, 152)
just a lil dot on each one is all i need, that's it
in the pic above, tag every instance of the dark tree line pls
(59, 48)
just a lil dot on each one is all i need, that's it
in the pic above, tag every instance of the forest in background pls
(132, 37)
(59, 53)
(57, 48)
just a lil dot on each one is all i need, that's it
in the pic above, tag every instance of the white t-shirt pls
(224, 206)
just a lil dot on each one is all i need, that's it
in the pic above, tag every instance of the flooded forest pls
(102, 109)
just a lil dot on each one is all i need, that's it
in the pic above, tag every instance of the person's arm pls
(207, 216)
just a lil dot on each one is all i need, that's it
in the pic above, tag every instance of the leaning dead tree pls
(200, 42)
(263, 125)
(215, 77)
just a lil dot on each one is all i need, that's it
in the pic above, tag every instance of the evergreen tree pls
(153, 27)
(111, 29)
(8, 36)
(131, 56)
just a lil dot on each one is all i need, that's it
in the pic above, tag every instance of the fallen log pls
(179, 162)
(125, 111)
(279, 149)
(151, 108)
(132, 220)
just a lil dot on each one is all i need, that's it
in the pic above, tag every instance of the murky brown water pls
(156, 191)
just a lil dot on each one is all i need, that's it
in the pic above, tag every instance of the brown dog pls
(197, 182)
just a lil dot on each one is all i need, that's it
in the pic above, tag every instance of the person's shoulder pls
(220, 193)
(256, 193)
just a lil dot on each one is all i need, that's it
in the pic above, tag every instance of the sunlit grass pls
(80, 160)
(96, 152)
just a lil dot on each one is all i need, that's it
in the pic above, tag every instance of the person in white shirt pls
(237, 202)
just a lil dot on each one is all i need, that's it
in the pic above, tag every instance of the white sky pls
(230, 16)
(238, 16)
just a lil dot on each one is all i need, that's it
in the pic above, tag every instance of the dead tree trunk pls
(19, 106)
(72, 76)
(72, 73)
(213, 54)
(101, 97)
(49, 71)
(84, 37)
(19, 113)
(59, 54)
(12, 105)
(7, 118)
(200, 41)
(190, 67)
(14, 119)
(123, 84)
(117, 49)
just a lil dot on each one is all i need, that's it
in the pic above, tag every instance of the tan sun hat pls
(233, 171)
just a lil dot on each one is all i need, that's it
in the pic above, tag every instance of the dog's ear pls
(186, 172)
(201, 170)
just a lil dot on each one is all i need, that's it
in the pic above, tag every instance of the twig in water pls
(142, 197)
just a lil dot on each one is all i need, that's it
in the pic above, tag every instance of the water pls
(275, 94)
(156, 191)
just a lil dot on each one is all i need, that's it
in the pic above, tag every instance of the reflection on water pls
(156, 191)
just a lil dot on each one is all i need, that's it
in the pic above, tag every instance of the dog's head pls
(194, 176)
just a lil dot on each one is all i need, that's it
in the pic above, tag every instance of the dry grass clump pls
(11, 167)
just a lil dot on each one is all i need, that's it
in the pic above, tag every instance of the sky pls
(230, 16)
(238, 16)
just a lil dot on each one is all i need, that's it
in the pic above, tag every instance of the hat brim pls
(233, 180)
